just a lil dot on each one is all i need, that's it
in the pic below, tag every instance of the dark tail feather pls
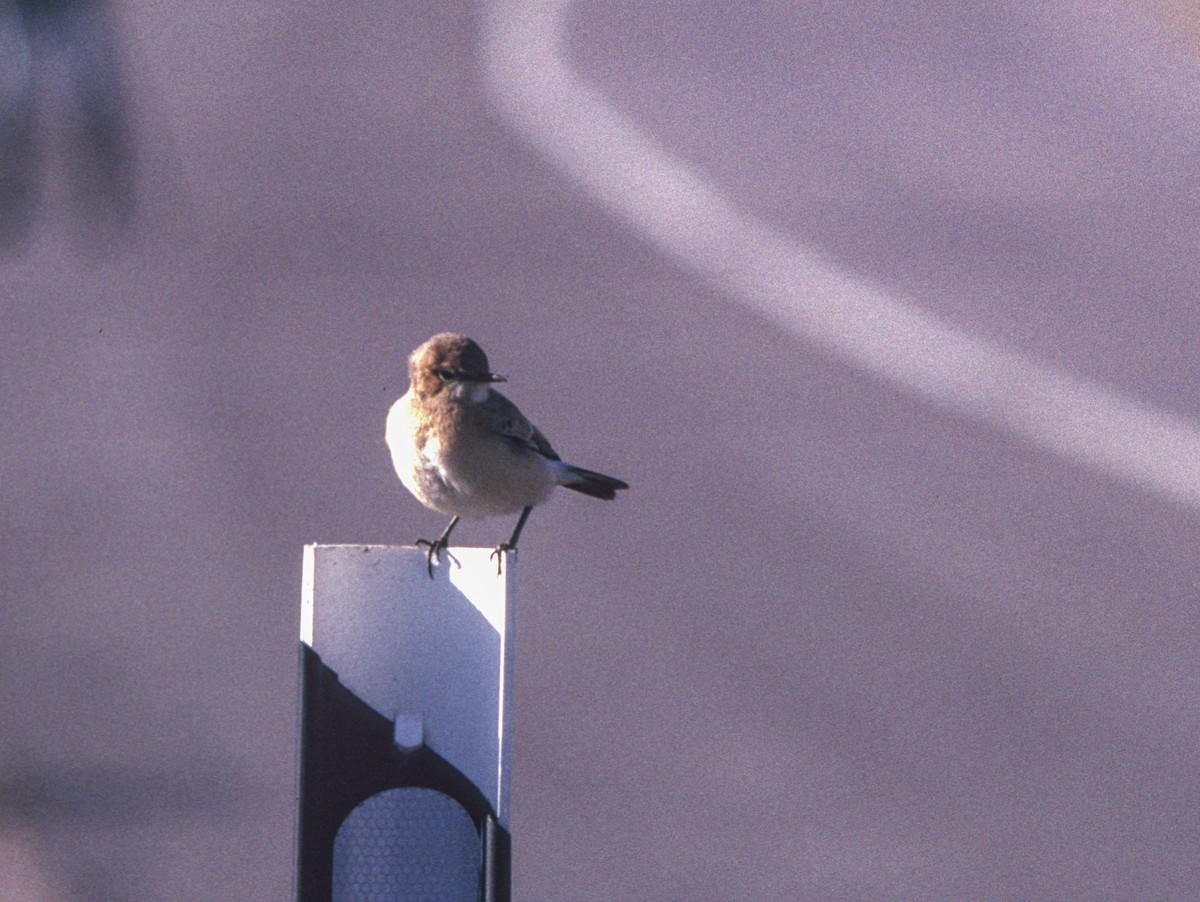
(589, 482)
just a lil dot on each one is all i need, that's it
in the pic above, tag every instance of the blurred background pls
(887, 313)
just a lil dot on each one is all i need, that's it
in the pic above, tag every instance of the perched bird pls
(464, 449)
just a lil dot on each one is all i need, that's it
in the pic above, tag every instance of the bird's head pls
(450, 362)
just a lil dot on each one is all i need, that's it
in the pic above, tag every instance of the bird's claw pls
(435, 552)
(498, 554)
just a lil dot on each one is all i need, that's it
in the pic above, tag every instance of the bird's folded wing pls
(508, 420)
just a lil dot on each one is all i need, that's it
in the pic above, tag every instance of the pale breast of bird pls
(478, 479)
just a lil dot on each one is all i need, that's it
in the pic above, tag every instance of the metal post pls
(405, 686)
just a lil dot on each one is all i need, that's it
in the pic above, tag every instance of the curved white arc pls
(670, 204)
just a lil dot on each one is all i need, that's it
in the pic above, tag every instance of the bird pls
(462, 448)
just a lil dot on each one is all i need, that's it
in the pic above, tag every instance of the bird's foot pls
(435, 551)
(498, 554)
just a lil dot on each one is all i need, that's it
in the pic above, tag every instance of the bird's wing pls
(508, 421)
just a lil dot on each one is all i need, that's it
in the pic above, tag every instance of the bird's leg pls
(511, 544)
(435, 547)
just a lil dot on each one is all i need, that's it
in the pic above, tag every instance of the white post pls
(405, 725)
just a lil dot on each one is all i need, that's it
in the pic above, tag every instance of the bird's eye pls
(444, 375)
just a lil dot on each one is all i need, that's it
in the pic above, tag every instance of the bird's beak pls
(494, 377)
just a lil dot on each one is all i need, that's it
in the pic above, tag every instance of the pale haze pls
(886, 313)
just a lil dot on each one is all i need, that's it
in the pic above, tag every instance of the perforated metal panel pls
(407, 845)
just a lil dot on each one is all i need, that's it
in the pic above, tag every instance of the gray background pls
(837, 642)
